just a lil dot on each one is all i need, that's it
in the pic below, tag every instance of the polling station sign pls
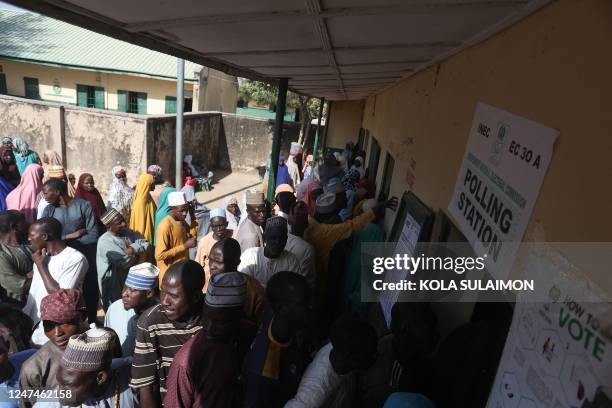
(498, 183)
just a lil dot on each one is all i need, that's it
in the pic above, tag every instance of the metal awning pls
(337, 49)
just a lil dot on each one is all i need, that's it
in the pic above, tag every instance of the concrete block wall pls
(200, 139)
(93, 141)
(39, 123)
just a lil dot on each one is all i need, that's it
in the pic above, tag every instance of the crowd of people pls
(140, 300)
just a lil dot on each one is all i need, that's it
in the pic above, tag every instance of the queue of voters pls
(149, 298)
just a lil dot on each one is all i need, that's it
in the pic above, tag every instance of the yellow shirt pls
(323, 237)
(171, 237)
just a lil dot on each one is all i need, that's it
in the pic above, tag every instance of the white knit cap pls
(326, 203)
(176, 198)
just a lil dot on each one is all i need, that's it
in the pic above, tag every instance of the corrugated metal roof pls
(31, 37)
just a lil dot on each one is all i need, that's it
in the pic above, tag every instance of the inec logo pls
(498, 144)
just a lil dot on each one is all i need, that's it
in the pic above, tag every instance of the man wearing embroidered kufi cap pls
(139, 293)
(118, 249)
(250, 232)
(88, 375)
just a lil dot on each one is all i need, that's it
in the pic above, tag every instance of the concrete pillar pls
(281, 100)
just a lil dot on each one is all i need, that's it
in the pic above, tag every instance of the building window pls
(170, 104)
(31, 88)
(90, 96)
(387, 176)
(2, 83)
(374, 159)
(132, 102)
(188, 105)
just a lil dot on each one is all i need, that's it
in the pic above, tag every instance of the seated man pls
(225, 257)
(164, 328)
(352, 348)
(139, 293)
(118, 249)
(56, 266)
(263, 263)
(205, 371)
(88, 376)
(62, 315)
(279, 353)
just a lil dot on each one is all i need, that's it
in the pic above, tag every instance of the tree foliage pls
(265, 95)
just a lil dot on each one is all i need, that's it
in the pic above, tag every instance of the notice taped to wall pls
(406, 244)
(557, 354)
(498, 183)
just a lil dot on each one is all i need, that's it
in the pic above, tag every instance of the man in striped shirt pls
(163, 329)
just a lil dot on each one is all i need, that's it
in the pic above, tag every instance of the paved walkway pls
(227, 184)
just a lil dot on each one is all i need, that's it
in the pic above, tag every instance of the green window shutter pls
(82, 95)
(122, 101)
(31, 88)
(170, 104)
(142, 103)
(2, 83)
(99, 97)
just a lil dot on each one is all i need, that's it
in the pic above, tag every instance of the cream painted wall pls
(48, 76)
(345, 122)
(552, 68)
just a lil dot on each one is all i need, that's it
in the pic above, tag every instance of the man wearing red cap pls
(62, 315)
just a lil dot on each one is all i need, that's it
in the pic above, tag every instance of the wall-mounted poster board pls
(557, 353)
(413, 224)
(499, 180)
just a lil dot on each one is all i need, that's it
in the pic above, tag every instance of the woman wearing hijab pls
(10, 172)
(120, 195)
(162, 209)
(23, 155)
(86, 190)
(25, 196)
(142, 217)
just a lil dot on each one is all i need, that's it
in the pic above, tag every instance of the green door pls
(31, 88)
(82, 95)
(99, 97)
(2, 83)
(122, 101)
(170, 104)
(142, 103)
